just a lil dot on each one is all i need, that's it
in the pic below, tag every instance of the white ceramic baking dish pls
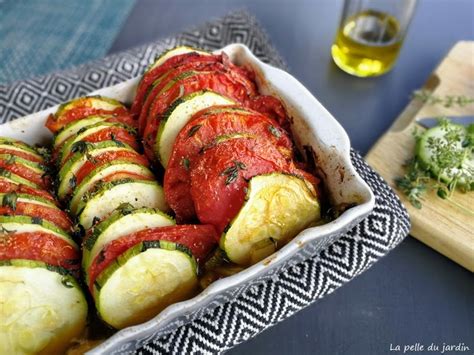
(312, 126)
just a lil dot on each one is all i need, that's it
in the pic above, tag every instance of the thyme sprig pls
(447, 170)
(427, 97)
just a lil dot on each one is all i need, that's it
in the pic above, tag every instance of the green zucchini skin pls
(97, 101)
(16, 179)
(72, 166)
(72, 128)
(178, 115)
(123, 221)
(20, 146)
(85, 131)
(31, 199)
(143, 281)
(105, 198)
(101, 172)
(43, 310)
(171, 53)
(36, 167)
(23, 224)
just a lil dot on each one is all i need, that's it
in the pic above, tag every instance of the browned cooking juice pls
(367, 43)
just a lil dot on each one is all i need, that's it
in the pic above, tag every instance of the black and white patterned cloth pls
(261, 305)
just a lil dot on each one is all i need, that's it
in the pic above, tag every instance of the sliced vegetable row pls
(136, 261)
(185, 76)
(43, 307)
(227, 152)
(96, 149)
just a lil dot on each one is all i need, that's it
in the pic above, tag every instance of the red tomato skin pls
(7, 187)
(190, 142)
(173, 62)
(50, 214)
(43, 247)
(108, 157)
(126, 120)
(55, 124)
(22, 154)
(168, 79)
(218, 196)
(221, 83)
(25, 172)
(119, 134)
(199, 239)
(271, 107)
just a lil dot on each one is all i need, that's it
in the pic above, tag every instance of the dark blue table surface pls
(413, 295)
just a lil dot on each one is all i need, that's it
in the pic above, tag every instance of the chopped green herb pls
(9, 200)
(232, 172)
(185, 163)
(37, 220)
(73, 182)
(273, 130)
(119, 143)
(80, 147)
(192, 131)
(5, 173)
(11, 160)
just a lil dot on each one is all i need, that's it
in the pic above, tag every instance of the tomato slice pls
(107, 157)
(272, 107)
(27, 173)
(185, 70)
(50, 214)
(55, 124)
(114, 133)
(200, 132)
(199, 239)
(192, 59)
(7, 187)
(22, 154)
(219, 82)
(43, 247)
(219, 177)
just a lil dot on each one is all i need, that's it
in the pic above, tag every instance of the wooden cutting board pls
(441, 224)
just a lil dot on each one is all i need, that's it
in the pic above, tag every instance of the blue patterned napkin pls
(38, 37)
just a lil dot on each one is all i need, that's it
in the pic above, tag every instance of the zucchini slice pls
(68, 171)
(13, 204)
(96, 102)
(277, 207)
(143, 281)
(87, 131)
(15, 145)
(178, 115)
(16, 179)
(100, 173)
(27, 198)
(34, 166)
(424, 151)
(171, 53)
(26, 224)
(105, 198)
(75, 126)
(43, 308)
(123, 221)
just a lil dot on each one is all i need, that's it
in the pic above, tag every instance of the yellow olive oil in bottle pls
(367, 43)
(370, 35)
